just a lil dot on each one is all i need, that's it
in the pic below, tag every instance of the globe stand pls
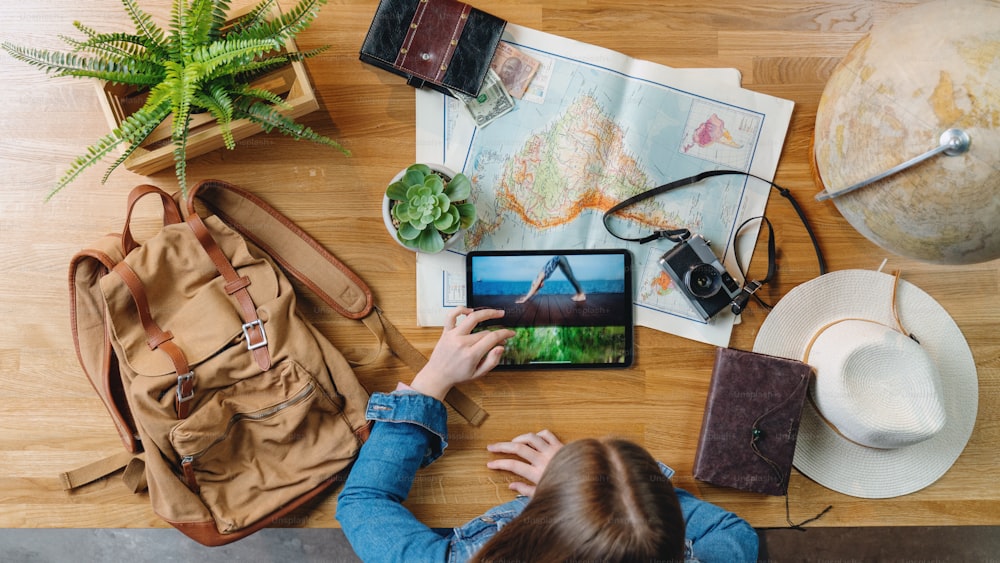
(952, 142)
(931, 68)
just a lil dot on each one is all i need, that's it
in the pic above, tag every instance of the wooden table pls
(53, 421)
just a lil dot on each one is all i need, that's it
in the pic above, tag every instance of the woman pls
(591, 499)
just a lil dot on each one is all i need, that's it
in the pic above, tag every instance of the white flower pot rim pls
(387, 206)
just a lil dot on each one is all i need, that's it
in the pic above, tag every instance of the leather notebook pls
(751, 421)
(446, 45)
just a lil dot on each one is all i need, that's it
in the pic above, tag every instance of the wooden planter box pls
(156, 152)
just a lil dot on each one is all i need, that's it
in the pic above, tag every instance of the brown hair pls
(598, 500)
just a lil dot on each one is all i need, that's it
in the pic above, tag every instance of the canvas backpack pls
(243, 410)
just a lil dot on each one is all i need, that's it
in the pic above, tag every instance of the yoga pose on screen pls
(556, 262)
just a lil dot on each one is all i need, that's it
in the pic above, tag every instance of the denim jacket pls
(410, 432)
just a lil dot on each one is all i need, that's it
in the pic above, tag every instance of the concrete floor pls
(825, 545)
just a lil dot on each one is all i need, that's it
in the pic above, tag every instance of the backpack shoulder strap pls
(328, 278)
(91, 335)
(89, 323)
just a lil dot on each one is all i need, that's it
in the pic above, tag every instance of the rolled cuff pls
(410, 407)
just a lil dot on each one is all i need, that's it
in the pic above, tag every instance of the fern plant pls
(200, 63)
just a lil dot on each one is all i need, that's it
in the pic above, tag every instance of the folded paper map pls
(593, 128)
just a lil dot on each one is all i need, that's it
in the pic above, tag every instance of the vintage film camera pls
(703, 279)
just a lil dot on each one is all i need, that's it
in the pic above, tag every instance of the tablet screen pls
(569, 308)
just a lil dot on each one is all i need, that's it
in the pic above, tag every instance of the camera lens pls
(703, 280)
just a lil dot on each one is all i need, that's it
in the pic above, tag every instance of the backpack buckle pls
(263, 335)
(181, 380)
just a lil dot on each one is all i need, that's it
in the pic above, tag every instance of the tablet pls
(568, 308)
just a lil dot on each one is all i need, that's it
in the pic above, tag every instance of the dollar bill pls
(492, 102)
(514, 67)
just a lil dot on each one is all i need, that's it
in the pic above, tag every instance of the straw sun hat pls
(886, 415)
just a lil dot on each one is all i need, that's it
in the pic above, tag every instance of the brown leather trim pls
(199, 193)
(120, 414)
(206, 533)
(432, 38)
(192, 480)
(155, 336)
(236, 285)
(364, 432)
(247, 309)
(158, 339)
(171, 212)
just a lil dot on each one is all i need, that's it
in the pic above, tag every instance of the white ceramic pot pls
(387, 205)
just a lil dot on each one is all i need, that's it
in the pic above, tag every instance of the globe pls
(931, 68)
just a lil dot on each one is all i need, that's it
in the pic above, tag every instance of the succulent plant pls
(429, 206)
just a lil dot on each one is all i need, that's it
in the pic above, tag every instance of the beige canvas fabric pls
(193, 340)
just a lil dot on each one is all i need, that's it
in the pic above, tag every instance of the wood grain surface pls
(53, 421)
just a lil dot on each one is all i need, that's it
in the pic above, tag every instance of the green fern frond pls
(178, 29)
(265, 95)
(136, 128)
(199, 22)
(227, 52)
(94, 154)
(298, 18)
(260, 67)
(270, 119)
(297, 56)
(255, 69)
(130, 129)
(95, 37)
(86, 30)
(145, 26)
(200, 61)
(180, 138)
(113, 45)
(118, 47)
(255, 17)
(287, 25)
(136, 72)
(220, 15)
(220, 105)
(183, 82)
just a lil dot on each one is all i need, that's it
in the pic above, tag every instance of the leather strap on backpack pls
(253, 328)
(159, 339)
(89, 326)
(328, 278)
(383, 329)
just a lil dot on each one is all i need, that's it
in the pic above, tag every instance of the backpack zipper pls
(187, 461)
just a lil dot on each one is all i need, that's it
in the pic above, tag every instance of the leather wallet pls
(751, 421)
(442, 44)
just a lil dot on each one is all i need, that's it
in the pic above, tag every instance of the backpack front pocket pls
(262, 442)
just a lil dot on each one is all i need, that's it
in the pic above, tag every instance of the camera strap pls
(678, 235)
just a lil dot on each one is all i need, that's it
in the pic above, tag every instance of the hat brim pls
(824, 455)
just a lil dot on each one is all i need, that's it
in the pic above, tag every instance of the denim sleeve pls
(410, 431)
(716, 534)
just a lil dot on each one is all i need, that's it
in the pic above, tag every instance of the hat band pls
(899, 328)
(805, 356)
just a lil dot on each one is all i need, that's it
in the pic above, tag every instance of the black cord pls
(677, 235)
(749, 288)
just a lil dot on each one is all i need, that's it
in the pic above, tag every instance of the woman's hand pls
(461, 355)
(535, 449)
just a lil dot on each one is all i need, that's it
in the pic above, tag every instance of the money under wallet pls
(441, 44)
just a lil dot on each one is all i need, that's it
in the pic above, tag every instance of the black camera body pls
(701, 276)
